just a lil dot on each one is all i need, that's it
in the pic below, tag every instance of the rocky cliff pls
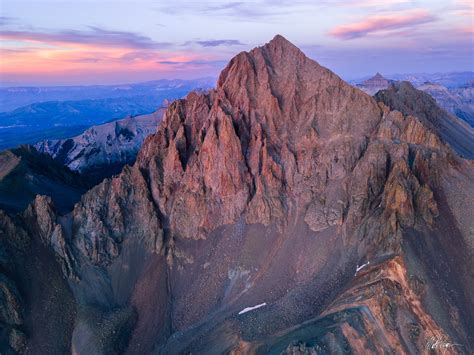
(284, 211)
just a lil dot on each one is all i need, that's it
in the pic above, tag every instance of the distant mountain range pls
(448, 79)
(459, 101)
(103, 150)
(12, 98)
(65, 169)
(456, 95)
(76, 108)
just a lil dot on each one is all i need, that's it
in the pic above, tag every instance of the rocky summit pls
(374, 84)
(284, 211)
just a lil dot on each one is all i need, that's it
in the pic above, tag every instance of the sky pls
(69, 42)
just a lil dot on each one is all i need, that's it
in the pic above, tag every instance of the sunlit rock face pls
(284, 211)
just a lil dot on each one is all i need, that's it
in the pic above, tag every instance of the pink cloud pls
(381, 23)
(466, 7)
(467, 30)
(372, 3)
(468, 3)
(93, 36)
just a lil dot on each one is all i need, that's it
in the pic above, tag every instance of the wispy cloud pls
(125, 58)
(195, 62)
(95, 36)
(269, 10)
(88, 60)
(371, 3)
(468, 30)
(380, 4)
(95, 51)
(223, 7)
(237, 10)
(246, 10)
(9, 51)
(6, 20)
(382, 23)
(217, 42)
(138, 55)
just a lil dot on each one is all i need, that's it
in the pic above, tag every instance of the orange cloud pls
(381, 23)
(97, 51)
(92, 51)
(50, 64)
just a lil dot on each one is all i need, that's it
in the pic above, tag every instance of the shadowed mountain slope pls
(405, 98)
(24, 173)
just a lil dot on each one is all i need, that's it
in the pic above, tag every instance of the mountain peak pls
(281, 44)
(278, 52)
(377, 77)
(281, 41)
(278, 79)
(374, 84)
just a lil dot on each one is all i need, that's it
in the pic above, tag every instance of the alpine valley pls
(282, 212)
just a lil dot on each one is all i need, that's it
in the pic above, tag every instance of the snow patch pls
(358, 268)
(248, 309)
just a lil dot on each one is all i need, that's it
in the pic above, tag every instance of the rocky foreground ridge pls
(402, 96)
(284, 211)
